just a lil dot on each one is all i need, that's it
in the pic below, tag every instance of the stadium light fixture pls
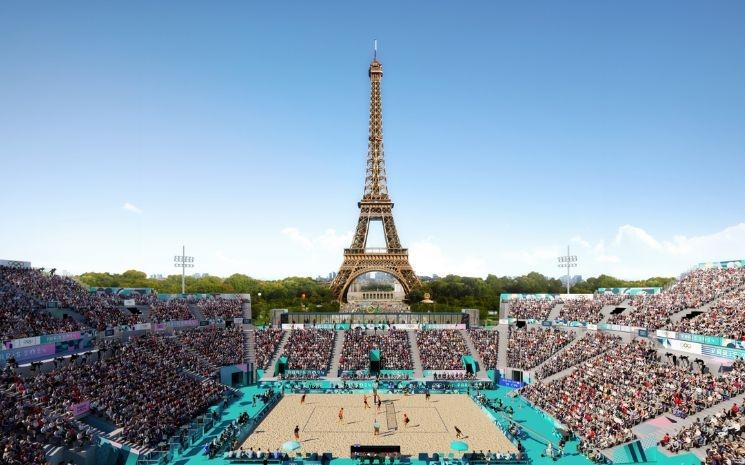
(568, 261)
(183, 262)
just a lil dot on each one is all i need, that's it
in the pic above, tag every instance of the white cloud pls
(297, 237)
(131, 208)
(427, 258)
(329, 241)
(635, 253)
(628, 252)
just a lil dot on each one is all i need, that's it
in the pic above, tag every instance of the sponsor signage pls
(28, 353)
(665, 333)
(406, 326)
(701, 339)
(80, 409)
(129, 303)
(722, 352)
(293, 326)
(445, 326)
(511, 383)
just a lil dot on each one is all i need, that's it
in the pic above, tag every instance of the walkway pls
(415, 357)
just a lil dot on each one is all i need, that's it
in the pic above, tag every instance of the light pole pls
(568, 261)
(183, 262)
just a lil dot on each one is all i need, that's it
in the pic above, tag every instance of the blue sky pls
(239, 129)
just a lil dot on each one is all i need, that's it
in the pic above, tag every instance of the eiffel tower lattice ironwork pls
(375, 205)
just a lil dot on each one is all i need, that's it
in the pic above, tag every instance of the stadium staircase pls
(475, 354)
(606, 310)
(197, 312)
(578, 334)
(567, 371)
(205, 361)
(336, 354)
(504, 335)
(416, 359)
(554, 313)
(269, 371)
(249, 347)
(693, 312)
(669, 423)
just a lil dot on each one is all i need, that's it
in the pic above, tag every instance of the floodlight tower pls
(183, 262)
(568, 261)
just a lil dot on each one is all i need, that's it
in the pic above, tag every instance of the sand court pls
(431, 426)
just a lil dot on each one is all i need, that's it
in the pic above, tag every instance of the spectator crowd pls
(721, 433)
(697, 288)
(218, 307)
(220, 346)
(267, 342)
(170, 310)
(487, 345)
(532, 309)
(20, 317)
(26, 428)
(602, 406)
(395, 353)
(99, 311)
(725, 318)
(139, 386)
(441, 349)
(588, 309)
(529, 347)
(310, 349)
(590, 345)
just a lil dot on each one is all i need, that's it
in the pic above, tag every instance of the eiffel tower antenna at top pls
(375, 49)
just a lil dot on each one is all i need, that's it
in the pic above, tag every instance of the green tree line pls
(450, 293)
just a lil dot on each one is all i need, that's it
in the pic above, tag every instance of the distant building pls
(572, 279)
(157, 277)
(200, 275)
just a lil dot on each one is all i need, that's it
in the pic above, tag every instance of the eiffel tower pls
(375, 205)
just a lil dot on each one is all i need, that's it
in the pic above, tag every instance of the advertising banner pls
(23, 342)
(80, 409)
(142, 326)
(405, 326)
(701, 339)
(159, 326)
(733, 343)
(28, 353)
(129, 302)
(666, 333)
(62, 337)
(293, 326)
(576, 296)
(15, 264)
(722, 352)
(511, 383)
(182, 323)
(683, 346)
(445, 326)
(506, 297)
(725, 264)
(630, 291)
(592, 327)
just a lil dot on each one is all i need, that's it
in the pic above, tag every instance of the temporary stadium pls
(128, 376)
(96, 375)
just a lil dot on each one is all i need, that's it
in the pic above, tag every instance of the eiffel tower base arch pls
(358, 263)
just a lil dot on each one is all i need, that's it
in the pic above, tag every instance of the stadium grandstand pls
(626, 375)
